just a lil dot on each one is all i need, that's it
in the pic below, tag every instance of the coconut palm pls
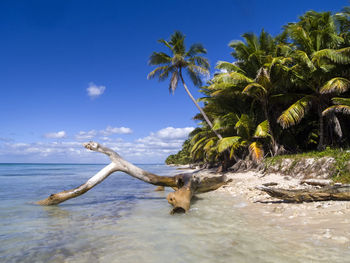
(262, 67)
(178, 61)
(342, 105)
(245, 141)
(343, 22)
(316, 58)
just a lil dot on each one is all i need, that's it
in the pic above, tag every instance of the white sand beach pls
(327, 220)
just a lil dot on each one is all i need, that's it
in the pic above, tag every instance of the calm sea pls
(125, 220)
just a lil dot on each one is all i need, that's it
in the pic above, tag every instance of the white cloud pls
(95, 91)
(82, 135)
(55, 135)
(174, 133)
(115, 130)
(88, 135)
(49, 152)
(153, 148)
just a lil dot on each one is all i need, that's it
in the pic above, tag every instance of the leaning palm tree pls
(178, 61)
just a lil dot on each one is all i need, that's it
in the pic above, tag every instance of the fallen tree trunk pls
(336, 192)
(186, 185)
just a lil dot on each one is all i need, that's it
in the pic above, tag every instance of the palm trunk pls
(199, 108)
(274, 143)
(320, 146)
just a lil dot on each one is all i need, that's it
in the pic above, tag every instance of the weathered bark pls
(186, 185)
(336, 192)
(317, 182)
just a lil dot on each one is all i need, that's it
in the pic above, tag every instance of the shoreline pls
(325, 222)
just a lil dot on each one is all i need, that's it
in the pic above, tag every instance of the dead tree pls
(185, 185)
(335, 192)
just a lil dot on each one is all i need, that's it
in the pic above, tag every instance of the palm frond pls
(304, 59)
(220, 86)
(160, 72)
(241, 51)
(244, 126)
(256, 151)
(159, 58)
(209, 145)
(255, 89)
(174, 82)
(195, 49)
(194, 76)
(228, 67)
(336, 109)
(263, 77)
(339, 101)
(177, 41)
(228, 142)
(197, 145)
(332, 55)
(262, 130)
(200, 62)
(166, 43)
(295, 113)
(301, 37)
(198, 70)
(218, 124)
(233, 78)
(335, 85)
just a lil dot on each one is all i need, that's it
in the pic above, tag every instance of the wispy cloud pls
(83, 135)
(88, 135)
(173, 133)
(95, 91)
(55, 135)
(115, 130)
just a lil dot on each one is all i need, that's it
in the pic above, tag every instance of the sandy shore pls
(327, 221)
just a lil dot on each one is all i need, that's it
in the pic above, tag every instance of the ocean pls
(125, 220)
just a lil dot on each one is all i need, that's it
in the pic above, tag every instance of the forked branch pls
(186, 185)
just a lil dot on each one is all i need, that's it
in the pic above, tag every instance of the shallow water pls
(125, 220)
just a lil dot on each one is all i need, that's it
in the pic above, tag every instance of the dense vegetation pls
(283, 94)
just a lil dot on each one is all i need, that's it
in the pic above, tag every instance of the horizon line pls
(79, 163)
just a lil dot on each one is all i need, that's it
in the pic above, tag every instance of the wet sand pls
(327, 221)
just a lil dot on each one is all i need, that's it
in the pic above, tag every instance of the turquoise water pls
(125, 220)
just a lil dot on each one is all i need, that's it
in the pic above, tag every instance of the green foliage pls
(171, 65)
(182, 157)
(287, 92)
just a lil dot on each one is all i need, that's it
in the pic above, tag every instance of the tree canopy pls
(284, 94)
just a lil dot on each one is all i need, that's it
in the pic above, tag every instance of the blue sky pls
(53, 53)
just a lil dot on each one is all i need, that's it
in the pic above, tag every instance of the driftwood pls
(336, 192)
(317, 182)
(185, 185)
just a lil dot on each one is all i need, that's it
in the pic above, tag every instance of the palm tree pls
(316, 58)
(259, 73)
(343, 22)
(173, 65)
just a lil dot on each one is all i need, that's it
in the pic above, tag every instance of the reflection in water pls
(56, 212)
